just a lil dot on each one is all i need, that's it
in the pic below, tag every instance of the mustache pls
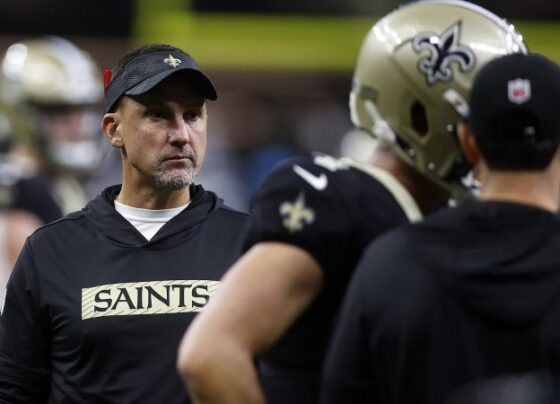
(177, 155)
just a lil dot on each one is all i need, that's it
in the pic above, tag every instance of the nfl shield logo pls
(519, 91)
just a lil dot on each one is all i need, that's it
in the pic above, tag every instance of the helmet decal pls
(444, 50)
(413, 76)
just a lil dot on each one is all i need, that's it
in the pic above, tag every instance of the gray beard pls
(170, 181)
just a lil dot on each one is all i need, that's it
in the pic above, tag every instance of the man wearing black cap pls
(472, 292)
(99, 300)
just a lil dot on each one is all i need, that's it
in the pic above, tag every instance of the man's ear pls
(110, 127)
(468, 143)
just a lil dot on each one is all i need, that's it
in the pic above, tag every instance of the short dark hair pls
(507, 158)
(526, 154)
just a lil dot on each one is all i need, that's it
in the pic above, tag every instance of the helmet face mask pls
(70, 136)
(413, 76)
(56, 90)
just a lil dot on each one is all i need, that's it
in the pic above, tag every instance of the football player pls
(56, 90)
(314, 216)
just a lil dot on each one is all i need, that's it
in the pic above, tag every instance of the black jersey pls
(94, 312)
(470, 294)
(332, 209)
(32, 193)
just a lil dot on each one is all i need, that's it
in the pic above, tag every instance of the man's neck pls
(527, 188)
(150, 198)
(427, 195)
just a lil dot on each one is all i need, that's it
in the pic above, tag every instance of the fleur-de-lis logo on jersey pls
(171, 61)
(444, 50)
(296, 215)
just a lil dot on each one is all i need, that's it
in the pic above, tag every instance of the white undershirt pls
(147, 221)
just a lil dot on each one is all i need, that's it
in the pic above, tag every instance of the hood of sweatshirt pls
(501, 260)
(102, 214)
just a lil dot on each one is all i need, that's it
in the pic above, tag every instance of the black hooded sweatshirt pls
(470, 294)
(94, 312)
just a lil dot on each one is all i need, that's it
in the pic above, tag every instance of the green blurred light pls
(280, 42)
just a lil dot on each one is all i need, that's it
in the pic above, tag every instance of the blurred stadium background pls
(283, 68)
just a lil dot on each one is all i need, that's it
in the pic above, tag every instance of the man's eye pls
(154, 113)
(192, 115)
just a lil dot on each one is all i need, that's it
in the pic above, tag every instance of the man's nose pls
(180, 131)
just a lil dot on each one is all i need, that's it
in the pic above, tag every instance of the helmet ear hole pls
(418, 119)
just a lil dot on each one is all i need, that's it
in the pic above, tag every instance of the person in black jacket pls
(98, 300)
(470, 294)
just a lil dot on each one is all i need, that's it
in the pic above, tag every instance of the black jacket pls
(470, 294)
(94, 313)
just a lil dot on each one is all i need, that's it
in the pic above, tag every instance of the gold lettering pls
(144, 298)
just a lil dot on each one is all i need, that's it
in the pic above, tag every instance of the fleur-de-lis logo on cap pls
(444, 50)
(171, 61)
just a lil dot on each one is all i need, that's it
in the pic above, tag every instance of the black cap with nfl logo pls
(147, 70)
(516, 99)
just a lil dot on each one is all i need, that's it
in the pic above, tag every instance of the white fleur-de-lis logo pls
(445, 50)
(171, 61)
(296, 215)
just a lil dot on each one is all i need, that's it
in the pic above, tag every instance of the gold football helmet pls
(56, 89)
(412, 78)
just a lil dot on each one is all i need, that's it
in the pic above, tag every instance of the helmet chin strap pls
(78, 157)
(458, 103)
(380, 128)
(469, 181)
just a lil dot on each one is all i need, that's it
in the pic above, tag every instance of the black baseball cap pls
(144, 72)
(516, 99)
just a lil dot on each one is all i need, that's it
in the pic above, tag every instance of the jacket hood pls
(500, 260)
(102, 214)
